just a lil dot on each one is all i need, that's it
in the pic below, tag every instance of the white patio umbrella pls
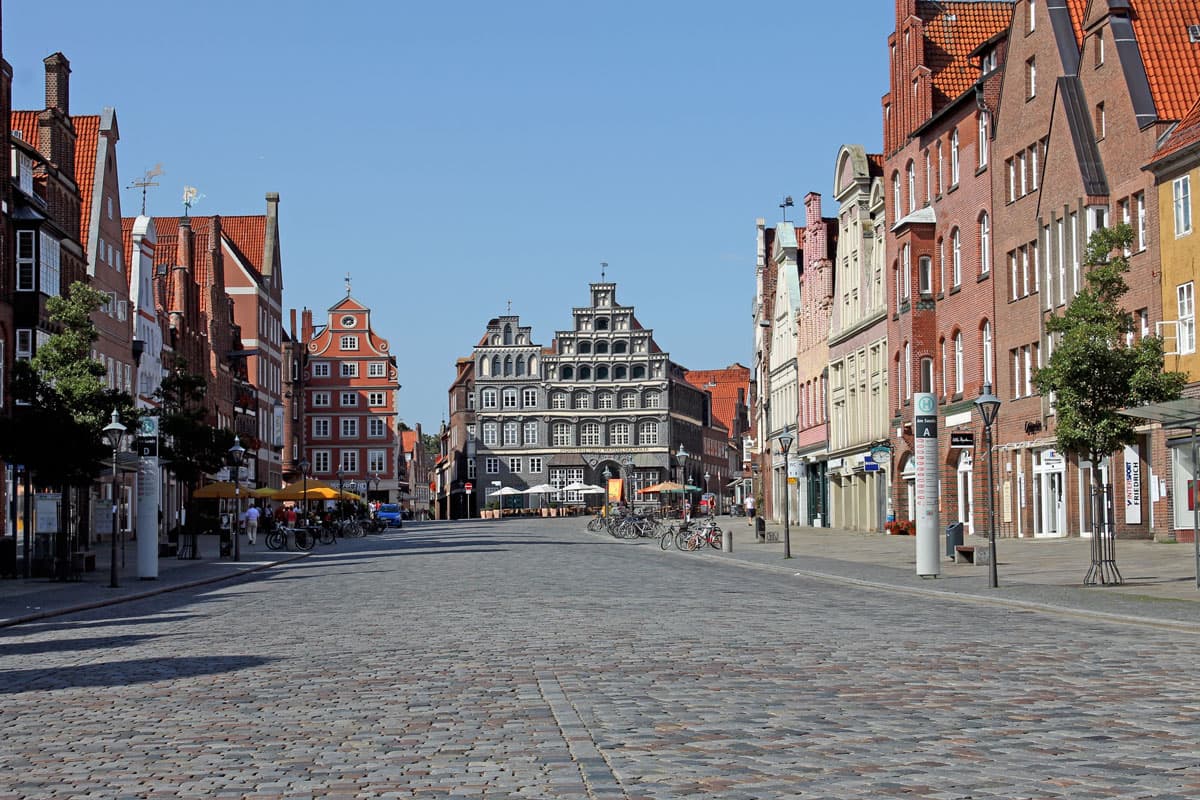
(590, 489)
(503, 491)
(542, 489)
(577, 486)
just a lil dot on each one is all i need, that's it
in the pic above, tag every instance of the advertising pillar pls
(148, 500)
(925, 445)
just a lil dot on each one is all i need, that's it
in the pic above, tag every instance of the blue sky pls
(454, 156)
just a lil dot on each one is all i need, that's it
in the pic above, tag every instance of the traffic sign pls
(468, 486)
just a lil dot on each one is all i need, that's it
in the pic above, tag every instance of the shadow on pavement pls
(122, 673)
(71, 645)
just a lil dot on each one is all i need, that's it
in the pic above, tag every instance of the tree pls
(1098, 366)
(65, 405)
(191, 448)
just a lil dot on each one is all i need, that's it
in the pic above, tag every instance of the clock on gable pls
(348, 321)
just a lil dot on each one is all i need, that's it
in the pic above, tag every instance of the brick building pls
(945, 70)
(726, 461)
(350, 385)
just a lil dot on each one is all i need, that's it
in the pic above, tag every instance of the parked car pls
(389, 514)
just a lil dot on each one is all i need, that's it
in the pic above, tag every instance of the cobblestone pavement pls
(536, 660)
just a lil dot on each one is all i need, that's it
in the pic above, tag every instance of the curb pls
(112, 601)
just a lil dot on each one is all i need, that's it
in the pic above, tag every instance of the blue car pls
(389, 514)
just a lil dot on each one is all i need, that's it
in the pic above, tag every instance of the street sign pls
(147, 446)
(468, 486)
(966, 439)
(870, 466)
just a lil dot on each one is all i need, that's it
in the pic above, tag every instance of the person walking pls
(750, 508)
(252, 514)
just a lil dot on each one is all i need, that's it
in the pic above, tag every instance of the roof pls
(724, 385)
(408, 441)
(87, 138)
(953, 30)
(1172, 62)
(27, 123)
(244, 234)
(1185, 135)
(875, 160)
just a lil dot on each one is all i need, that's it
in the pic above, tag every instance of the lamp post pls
(711, 512)
(785, 442)
(114, 432)
(304, 465)
(341, 476)
(681, 456)
(989, 406)
(607, 477)
(236, 454)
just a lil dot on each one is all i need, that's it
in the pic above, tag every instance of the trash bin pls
(954, 537)
(760, 529)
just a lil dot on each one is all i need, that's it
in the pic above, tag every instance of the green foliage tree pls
(56, 433)
(190, 447)
(1098, 367)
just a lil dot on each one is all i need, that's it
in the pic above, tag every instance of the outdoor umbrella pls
(577, 486)
(542, 489)
(295, 490)
(668, 486)
(221, 490)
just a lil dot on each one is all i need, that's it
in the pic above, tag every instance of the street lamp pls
(304, 465)
(785, 442)
(710, 500)
(236, 454)
(341, 476)
(114, 432)
(681, 456)
(989, 406)
(607, 477)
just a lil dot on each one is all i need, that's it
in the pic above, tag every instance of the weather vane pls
(347, 284)
(146, 181)
(603, 267)
(785, 205)
(509, 309)
(191, 196)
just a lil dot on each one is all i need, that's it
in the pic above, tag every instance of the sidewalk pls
(25, 600)
(1159, 579)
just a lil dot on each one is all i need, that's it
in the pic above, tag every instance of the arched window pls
(639, 373)
(911, 174)
(585, 346)
(907, 371)
(601, 372)
(987, 351)
(589, 434)
(958, 363)
(533, 365)
(896, 206)
(520, 367)
(620, 372)
(983, 134)
(620, 348)
(508, 365)
(985, 244)
(567, 372)
(495, 365)
(602, 347)
(585, 373)
(926, 374)
(954, 157)
(955, 258)
(508, 334)
(485, 367)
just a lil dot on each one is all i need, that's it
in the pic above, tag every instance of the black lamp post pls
(989, 406)
(785, 443)
(304, 465)
(711, 511)
(236, 454)
(607, 477)
(681, 455)
(114, 432)
(341, 476)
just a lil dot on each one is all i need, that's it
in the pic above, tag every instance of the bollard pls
(727, 540)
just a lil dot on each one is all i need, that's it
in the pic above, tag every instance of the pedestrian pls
(750, 508)
(291, 516)
(252, 514)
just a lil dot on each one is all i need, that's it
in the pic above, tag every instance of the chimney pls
(58, 83)
(181, 275)
(271, 234)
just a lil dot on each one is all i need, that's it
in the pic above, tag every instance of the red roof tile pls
(408, 441)
(724, 385)
(952, 30)
(26, 123)
(1186, 134)
(87, 137)
(1172, 61)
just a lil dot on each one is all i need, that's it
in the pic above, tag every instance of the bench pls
(964, 554)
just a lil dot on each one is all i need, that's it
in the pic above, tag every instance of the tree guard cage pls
(1183, 413)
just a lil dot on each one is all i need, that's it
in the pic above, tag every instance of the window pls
(925, 275)
(926, 374)
(911, 174)
(648, 433)
(1185, 298)
(653, 399)
(320, 429)
(349, 369)
(321, 461)
(956, 258)
(568, 372)
(958, 363)
(582, 400)
(509, 398)
(50, 267)
(487, 398)
(628, 400)
(491, 465)
(1022, 174)
(985, 245)
(349, 427)
(1074, 234)
(589, 434)
(939, 166)
(471, 469)
(1099, 121)
(531, 432)
(982, 144)
(907, 371)
(1032, 16)
(514, 465)
(376, 461)
(376, 428)
(905, 272)
(1033, 167)
(1030, 78)
(619, 434)
(987, 352)
(1182, 191)
(1140, 230)
(604, 400)
(561, 433)
(349, 398)
(1099, 48)
(321, 399)
(941, 265)
(942, 363)
(928, 180)
(491, 433)
(349, 461)
(1010, 167)
(376, 399)
(529, 398)
(348, 343)
(954, 157)
(320, 369)
(511, 434)
(558, 400)
(535, 465)
(896, 196)
(377, 369)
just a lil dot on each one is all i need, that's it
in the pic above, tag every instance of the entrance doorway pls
(966, 492)
(1049, 507)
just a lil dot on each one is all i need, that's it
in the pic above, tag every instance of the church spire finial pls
(347, 284)
(603, 269)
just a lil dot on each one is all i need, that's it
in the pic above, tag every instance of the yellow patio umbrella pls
(221, 490)
(264, 491)
(296, 490)
(328, 493)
